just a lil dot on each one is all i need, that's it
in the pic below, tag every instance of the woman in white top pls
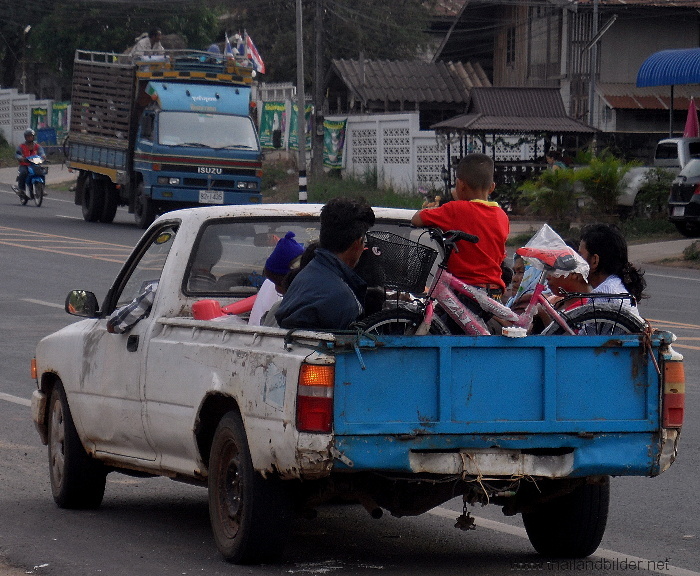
(605, 249)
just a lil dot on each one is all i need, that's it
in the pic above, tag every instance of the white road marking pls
(616, 560)
(672, 277)
(44, 303)
(15, 399)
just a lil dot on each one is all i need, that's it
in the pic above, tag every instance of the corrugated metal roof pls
(410, 80)
(630, 97)
(670, 67)
(514, 110)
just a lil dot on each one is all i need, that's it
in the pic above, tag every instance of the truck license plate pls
(211, 197)
(678, 210)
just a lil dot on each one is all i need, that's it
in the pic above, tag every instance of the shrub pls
(602, 179)
(652, 197)
(692, 252)
(552, 196)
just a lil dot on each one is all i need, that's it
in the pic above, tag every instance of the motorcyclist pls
(28, 148)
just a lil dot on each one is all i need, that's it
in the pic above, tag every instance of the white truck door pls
(116, 419)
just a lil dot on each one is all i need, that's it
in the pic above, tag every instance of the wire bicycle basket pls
(406, 263)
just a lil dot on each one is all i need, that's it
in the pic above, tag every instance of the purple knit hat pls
(285, 252)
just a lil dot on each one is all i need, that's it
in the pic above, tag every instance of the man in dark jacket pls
(327, 294)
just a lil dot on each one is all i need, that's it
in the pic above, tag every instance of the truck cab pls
(156, 135)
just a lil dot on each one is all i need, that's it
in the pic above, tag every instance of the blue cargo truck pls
(161, 132)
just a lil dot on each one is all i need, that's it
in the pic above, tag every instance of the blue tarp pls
(201, 97)
(670, 67)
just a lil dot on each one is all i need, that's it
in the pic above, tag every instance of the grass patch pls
(330, 187)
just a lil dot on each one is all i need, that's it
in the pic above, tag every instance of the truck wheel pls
(572, 525)
(109, 210)
(688, 230)
(77, 480)
(93, 200)
(248, 513)
(143, 209)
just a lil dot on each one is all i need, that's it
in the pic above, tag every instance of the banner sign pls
(39, 119)
(273, 121)
(293, 131)
(333, 142)
(59, 116)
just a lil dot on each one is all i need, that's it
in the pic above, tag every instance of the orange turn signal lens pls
(32, 369)
(316, 375)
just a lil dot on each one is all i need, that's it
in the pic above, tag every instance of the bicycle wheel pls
(399, 322)
(38, 193)
(598, 320)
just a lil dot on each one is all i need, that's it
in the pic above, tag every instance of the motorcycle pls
(35, 182)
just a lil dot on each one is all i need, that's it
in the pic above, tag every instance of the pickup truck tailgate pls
(553, 395)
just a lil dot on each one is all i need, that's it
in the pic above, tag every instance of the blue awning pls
(670, 67)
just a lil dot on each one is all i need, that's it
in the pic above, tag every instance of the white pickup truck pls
(671, 154)
(276, 422)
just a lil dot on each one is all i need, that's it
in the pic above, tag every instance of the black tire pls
(23, 198)
(572, 525)
(93, 200)
(248, 513)
(689, 230)
(77, 480)
(109, 210)
(144, 214)
(598, 320)
(38, 193)
(399, 322)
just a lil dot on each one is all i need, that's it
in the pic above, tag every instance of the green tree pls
(107, 26)
(380, 30)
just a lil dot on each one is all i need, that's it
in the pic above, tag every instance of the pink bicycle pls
(407, 265)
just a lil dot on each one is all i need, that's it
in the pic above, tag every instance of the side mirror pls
(82, 303)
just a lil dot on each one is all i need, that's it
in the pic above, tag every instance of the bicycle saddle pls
(555, 258)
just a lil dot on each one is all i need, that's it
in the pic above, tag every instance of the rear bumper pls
(543, 455)
(191, 196)
(684, 211)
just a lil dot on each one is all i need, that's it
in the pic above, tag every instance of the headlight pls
(246, 185)
(167, 180)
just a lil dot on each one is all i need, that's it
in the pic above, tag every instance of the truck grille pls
(203, 184)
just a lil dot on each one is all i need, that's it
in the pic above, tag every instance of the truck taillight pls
(315, 398)
(674, 393)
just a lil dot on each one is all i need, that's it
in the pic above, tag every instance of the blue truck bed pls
(569, 405)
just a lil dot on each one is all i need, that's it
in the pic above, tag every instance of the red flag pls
(252, 51)
(692, 130)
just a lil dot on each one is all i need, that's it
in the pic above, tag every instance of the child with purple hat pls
(276, 268)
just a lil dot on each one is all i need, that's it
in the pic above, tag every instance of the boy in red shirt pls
(475, 264)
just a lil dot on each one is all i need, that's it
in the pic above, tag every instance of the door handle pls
(132, 343)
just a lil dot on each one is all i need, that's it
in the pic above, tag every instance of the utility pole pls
(317, 139)
(23, 80)
(594, 62)
(301, 109)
